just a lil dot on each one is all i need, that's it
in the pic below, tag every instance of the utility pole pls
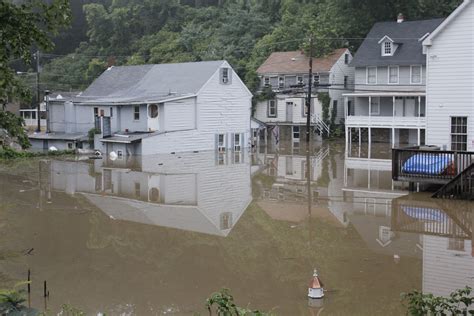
(38, 112)
(310, 84)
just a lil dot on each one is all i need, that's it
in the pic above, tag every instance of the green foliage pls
(11, 300)
(240, 31)
(23, 27)
(458, 303)
(90, 135)
(6, 153)
(14, 126)
(222, 303)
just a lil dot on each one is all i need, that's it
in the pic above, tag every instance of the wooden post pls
(29, 280)
(45, 289)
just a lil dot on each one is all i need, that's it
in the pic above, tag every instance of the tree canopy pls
(244, 32)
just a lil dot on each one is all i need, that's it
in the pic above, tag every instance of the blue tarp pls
(425, 213)
(430, 164)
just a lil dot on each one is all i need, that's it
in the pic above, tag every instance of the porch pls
(382, 109)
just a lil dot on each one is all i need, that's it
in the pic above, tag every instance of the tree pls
(23, 27)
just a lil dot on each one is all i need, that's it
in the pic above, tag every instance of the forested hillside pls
(244, 32)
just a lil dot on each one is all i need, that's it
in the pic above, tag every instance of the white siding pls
(450, 82)
(446, 270)
(180, 115)
(338, 71)
(382, 80)
(221, 108)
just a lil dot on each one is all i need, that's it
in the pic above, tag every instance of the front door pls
(289, 111)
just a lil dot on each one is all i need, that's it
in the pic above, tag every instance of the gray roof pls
(406, 34)
(144, 83)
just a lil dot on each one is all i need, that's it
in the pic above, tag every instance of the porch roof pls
(127, 138)
(385, 94)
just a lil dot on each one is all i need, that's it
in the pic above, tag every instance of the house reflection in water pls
(197, 192)
(446, 228)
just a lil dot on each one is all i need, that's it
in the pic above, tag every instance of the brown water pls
(156, 235)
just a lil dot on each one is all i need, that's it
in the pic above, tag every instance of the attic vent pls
(225, 76)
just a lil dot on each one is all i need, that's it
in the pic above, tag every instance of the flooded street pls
(157, 235)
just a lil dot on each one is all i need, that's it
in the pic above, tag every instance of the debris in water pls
(315, 289)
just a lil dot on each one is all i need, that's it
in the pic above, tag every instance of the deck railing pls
(415, 164)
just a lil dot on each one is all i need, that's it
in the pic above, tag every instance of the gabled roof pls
(448, 20)
(405, 34)
(295, 62)
(146, 83)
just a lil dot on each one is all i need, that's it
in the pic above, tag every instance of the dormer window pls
(387, 46)
(387, 49)
(225, 76)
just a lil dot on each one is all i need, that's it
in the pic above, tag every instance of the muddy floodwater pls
(157, 235)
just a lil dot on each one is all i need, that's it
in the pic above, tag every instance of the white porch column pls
(393, 137)
(360, 140)
(370, 107)
(346, 110)
(370, 143)
(418, 137)
(393, 108)
(419, 106)
(347, 141)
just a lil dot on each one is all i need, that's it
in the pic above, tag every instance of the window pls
(346, 58)
(387, 49)
(225, 220)
(281, 82)
(392, 74)
(459, 133)
(136, 112)
(305, 108)
(299, 80)
(415, 76)
(371, 75)
(272, 108)
(375, 106)
(456, 244)
(221, 142)
(237, 142)
(111, 111)
(33, 115)
(102, 113)
(266, 81)
(296, 132)
(154, 195)
(346, 78)
(153, 110)
(225, 77)
(137, 189)
(316, 80)
(69, 145)
(96, 112)
(334, 108)
(119, 154)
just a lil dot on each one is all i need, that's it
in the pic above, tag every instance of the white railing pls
(34, 122)
(320, 124)
(386, 121)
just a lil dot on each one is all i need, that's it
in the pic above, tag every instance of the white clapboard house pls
(450, 81)
(388, 104)
(286, 74)
(149, 109)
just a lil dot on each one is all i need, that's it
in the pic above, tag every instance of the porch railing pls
(415, 164)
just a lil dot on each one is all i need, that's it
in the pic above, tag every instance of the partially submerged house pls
(450, 81)
(388, 104)
(286, 74)
(151, 109)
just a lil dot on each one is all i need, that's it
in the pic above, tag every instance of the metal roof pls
(149, 83)
(407, 35)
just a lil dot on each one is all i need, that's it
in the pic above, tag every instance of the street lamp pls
(46, 99)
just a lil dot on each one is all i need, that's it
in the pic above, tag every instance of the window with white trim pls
(136, 112)
(272, 108)
(296, 133)
(459, 133)
(266, 81)
(316, 80)
(415, 74)
(225, 75)
(392, 74)
(371, 75)
(221, 142)
(387, 48)
(346, 58)
(281, 82)
(237, 141)
(375, 106)
(299, 80)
